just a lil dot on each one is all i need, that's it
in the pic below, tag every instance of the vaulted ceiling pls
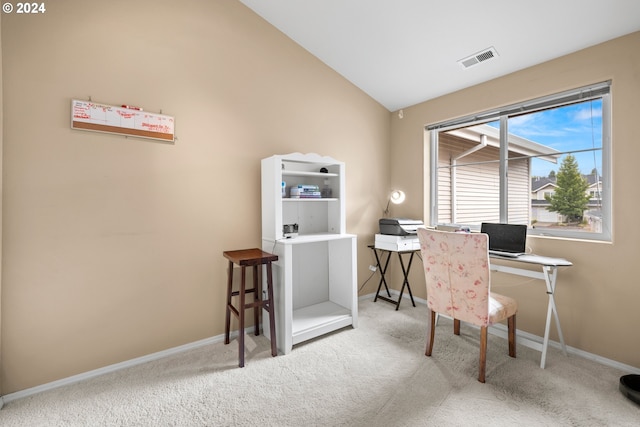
(403, 52)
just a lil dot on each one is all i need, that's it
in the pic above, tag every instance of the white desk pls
(549, 274)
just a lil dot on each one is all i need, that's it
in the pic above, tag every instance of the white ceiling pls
(403, 52)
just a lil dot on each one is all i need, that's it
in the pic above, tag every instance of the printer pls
(398, 234)
(400, 226)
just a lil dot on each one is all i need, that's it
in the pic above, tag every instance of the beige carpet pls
(375, 375)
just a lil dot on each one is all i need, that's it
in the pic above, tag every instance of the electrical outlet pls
(373, 268)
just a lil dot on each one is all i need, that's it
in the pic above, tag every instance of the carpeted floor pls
(375, 375)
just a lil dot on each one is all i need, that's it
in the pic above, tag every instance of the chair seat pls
(501, 307)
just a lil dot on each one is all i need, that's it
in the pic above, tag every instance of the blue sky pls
(572, 127)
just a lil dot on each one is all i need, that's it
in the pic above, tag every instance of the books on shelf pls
(303, 191)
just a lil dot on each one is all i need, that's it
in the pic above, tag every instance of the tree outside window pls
(570, 198)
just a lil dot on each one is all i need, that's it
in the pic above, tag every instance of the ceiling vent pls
(479, 57)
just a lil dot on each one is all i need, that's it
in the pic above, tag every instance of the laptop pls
(507, 240)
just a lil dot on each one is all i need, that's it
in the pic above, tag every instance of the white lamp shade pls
(397, 197)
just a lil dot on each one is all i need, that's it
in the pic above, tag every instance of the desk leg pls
(405, 273)
(550, 276)
(383, 270)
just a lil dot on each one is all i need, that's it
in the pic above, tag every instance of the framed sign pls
(88, 115)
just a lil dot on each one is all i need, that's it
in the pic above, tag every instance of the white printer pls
(400, 226)
(398, 234)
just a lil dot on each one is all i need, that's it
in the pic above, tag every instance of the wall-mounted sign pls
(130, 121)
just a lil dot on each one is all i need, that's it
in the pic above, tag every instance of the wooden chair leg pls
(483, 353)
(256, 298)
(227, 322)
(431, 330)
(511, 325)
(241, 317)
(456, 326)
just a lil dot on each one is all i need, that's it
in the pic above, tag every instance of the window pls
(544, 163)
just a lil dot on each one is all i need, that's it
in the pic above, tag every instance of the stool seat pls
(254, 258)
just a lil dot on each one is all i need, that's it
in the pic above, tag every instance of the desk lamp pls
(396, 197)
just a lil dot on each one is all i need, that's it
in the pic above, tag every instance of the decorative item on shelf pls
(396, 197)
(326, 190)
(290, 230)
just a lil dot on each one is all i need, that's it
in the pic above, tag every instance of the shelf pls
(315, 320)
(306, 173)
(306, 200)
(310, 238)
(315, 278)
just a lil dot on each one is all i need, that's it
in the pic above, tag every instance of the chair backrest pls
(456, 267)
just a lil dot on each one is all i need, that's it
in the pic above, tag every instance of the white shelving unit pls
(315, 280)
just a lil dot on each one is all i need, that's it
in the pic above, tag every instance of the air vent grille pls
(479, 57)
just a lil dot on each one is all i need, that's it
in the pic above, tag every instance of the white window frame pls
(596, 91)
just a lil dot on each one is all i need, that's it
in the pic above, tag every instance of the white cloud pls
(587, 113)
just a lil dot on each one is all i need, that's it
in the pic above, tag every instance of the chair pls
(456, 268)
(254, 258)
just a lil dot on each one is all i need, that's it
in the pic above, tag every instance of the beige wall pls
(598, 298)
(112, 246)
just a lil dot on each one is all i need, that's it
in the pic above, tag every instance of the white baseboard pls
(523, 338)
(115, 367)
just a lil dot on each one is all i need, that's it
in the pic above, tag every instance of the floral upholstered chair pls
(456, 268)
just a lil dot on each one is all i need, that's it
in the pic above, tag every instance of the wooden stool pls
(254, 258)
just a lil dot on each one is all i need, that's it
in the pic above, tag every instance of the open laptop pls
(507, 240)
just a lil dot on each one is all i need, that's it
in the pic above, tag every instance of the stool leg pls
(256, 298)
(272, 316)
(241, 319)
(227, 323)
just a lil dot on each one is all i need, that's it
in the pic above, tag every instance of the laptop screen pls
(506, 237)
